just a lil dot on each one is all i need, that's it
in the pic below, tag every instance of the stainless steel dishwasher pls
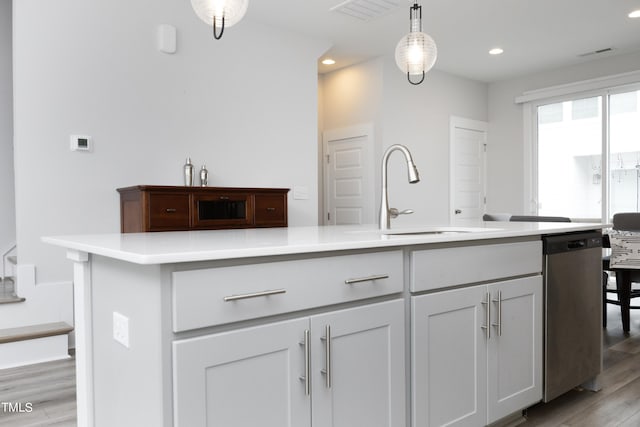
(573, 310)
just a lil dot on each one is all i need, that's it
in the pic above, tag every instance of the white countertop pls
(187, 246)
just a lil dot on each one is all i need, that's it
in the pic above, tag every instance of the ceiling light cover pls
(366, 10)
(220, 13)
(635, 14)
(416, 53)
(328, 61)
(496, 51)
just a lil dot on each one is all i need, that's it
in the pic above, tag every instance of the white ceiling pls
(535, 34)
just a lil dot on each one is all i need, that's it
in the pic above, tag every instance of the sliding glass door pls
(573, 176)
(569, 158)
(624, 157)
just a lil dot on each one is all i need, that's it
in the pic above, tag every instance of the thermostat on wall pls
(81, 143)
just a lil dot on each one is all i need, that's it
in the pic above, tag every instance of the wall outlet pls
(121, 328)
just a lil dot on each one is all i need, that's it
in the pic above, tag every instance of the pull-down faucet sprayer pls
(387, 213)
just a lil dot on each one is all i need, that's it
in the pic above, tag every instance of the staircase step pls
(8, 291)
(11, 299)
(34, 344)
(35, 331)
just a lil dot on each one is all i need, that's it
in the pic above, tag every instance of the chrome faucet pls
(387, 213)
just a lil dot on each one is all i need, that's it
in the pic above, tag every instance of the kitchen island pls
(309, 326)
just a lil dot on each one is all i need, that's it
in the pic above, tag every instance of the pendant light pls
(220, 13)
(416, 52)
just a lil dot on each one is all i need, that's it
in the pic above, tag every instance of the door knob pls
(457, 211)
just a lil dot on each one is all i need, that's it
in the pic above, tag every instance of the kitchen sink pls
(436, 230)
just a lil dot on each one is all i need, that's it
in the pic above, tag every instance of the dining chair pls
(625, 277)
(496, 217)
(536, 218)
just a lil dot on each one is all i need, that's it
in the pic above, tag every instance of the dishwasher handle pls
(576, 244)
(556, 244)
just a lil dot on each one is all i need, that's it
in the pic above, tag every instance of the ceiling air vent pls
(366, 10)
(597, 52)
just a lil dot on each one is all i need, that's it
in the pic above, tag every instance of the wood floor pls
(50, 388)
(618, 403)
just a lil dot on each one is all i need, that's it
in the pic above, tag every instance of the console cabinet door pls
(449, 358)
(366, 367)
(247, 377)
(515, 354)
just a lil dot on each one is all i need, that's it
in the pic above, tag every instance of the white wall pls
(416, 116)
(244, 105)
(352, 96)
(7, 199)
(505, 177)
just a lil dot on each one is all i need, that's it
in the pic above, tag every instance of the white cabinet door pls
(449, 358)
(248, 377)
(365, 364)
(464, 375)
(515, 355)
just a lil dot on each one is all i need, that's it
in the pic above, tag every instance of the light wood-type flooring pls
(618, 403)
(50, 388)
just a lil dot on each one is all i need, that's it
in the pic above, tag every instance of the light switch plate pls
(300, 192)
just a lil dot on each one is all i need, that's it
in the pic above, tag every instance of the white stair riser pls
(28, 352)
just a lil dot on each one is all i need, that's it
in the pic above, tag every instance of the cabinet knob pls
(271, 209)
(171, 210)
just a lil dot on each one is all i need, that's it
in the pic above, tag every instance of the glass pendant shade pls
(231, 10)
(416, 53)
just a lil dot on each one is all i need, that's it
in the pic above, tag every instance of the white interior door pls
(349, 195)
(468, 142)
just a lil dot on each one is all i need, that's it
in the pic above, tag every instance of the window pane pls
(551, 113)
(624, 160)
(569, 159)
(585, 108)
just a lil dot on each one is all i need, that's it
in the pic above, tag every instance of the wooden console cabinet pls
(165, 208)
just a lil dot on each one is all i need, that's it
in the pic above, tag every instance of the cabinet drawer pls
(229, 294)
(270, 209)
(168, 211)
(440, 268)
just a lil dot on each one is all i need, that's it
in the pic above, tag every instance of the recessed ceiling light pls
(635, 14)
(328, 61)
(496, 51)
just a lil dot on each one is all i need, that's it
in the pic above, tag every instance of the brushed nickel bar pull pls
(327, 341)
(366, 279)
(498, 325)
(271, 209)
(486, 326)
(170, 210)
(307, 363)
(255, 295)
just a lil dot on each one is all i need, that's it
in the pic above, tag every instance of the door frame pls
(475, 125)
(347, 132)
